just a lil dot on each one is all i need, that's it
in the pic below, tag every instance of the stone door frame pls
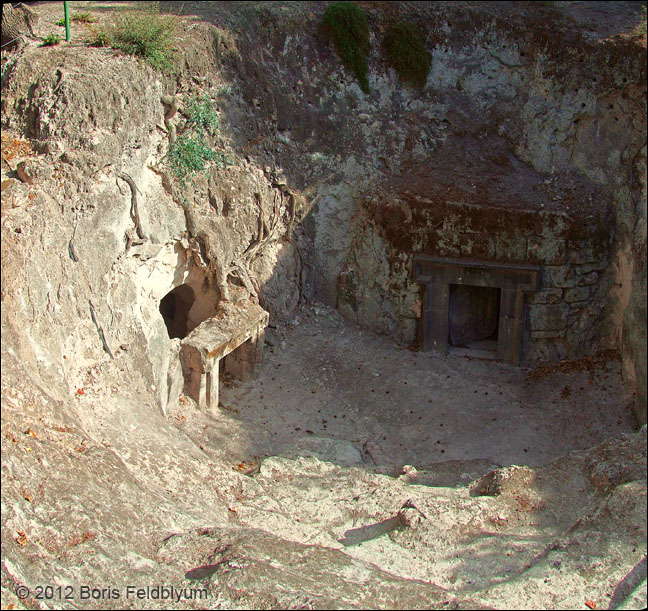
(439, 273)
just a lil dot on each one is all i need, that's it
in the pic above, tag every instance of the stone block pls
(508, 303)
(580, 293)
(236, 326)
(559, 276)
(548, 251)
(547, 334)
(548, 317)
(585, 254)
(414, 309)
(555, 222)
(242, 362)
(545, 296)
(586, 268)
(512, 248)
(542, 351)
(587, 279)
(407, 331)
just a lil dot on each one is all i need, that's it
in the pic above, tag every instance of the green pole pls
(66, 11)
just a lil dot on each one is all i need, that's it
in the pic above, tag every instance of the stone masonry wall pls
(564, 318)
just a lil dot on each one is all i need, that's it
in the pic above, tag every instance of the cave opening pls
(473, 317)
(175, 307)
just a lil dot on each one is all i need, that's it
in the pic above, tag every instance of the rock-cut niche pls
(175, 307)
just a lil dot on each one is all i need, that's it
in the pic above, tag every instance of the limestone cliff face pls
(524, 146)
(105, 234)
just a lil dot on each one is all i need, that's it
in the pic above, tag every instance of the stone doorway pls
(474, 307)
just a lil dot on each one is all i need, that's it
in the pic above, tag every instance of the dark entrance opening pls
(175, 307)
(480, 289)
(473, 317)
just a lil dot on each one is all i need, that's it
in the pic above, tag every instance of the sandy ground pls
(326, 384)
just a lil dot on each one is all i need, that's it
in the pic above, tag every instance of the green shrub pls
(99, 38)
(146, 35)
(200, 115)
(51, 40)
(407, 53)
(347, 25)
(189, 155)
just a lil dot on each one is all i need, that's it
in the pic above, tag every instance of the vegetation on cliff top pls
(347, 25)
(83, 17)
(148, 35)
